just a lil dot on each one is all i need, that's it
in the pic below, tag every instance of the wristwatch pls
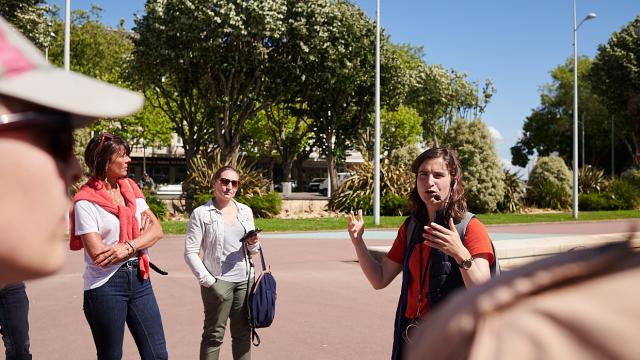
(466, 264)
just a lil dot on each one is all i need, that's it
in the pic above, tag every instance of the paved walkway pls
(326, 308)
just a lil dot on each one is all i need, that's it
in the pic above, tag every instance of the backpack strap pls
(461, 227)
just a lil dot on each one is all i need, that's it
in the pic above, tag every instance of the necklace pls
(116, 197)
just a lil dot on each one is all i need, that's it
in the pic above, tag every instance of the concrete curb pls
(513, 253)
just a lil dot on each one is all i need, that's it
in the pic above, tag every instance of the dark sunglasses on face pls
(226, 182)
(53, 130)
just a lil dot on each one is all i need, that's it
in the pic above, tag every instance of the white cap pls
(26, 75)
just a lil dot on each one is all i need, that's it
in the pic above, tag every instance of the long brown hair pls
(456, 203)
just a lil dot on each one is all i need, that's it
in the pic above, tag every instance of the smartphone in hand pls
(250, 234)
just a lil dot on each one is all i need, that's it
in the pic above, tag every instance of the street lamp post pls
(583, 125)
(376, 152)
(46, 48)
(67, 34)
(575, 106)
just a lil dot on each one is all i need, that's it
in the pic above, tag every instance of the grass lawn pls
(340, 223)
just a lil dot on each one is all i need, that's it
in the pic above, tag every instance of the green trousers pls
(225, 300)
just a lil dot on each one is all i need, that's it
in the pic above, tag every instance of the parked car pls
(169, 191)
(322, 188)
(278, 187)
(313, 185)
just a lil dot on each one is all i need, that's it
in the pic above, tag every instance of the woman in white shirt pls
(215, 229)
(113, 223)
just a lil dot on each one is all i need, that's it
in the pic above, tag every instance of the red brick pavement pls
(326, 308)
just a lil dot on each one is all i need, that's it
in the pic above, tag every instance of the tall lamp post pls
(575, 105)
(67, 34)
(376, 152)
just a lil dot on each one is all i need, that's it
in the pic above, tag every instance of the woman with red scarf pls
(113, 223)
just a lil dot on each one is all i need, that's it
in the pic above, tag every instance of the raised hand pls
(355, 228)
(447, 240)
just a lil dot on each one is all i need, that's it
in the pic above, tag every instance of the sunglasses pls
(105, 136)
(226, 182)
(52, 130)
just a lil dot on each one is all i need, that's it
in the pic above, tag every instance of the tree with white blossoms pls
(440, 96)
(340, 97)
(31, 17)
(483, 177)
(209, 61)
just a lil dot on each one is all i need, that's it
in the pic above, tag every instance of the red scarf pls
(93, 190)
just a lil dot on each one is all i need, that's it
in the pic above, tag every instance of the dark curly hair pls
(100, 150)
(456, 203)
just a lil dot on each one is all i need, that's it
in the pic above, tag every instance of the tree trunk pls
(188, 188)
(229, 154)
(331, 165)
(297, 164)
(286, 169)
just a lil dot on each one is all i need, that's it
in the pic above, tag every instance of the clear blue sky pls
(513, 43)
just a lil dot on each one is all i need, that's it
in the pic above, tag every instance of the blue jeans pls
(126, 297)
(14, 321)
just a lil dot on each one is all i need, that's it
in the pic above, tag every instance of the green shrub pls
(625, 195)
(481, 167)
(550, 183)
(393, 205)
(591, 180)
(263, 206)
(200, 199)
(632, 175)
(595, 202)
(157, 206)
(356, 193)
(515, 191)
(621, 195)
(253, 181)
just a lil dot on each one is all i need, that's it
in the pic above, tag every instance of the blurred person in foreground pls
(40, 105)
(582, 304)
(434, 259)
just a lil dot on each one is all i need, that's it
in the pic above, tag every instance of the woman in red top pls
(438, 187)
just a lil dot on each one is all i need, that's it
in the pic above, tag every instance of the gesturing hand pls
(355, 228)
(444, 239)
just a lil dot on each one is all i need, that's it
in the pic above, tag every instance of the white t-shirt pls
(91, 218)
(234, 266)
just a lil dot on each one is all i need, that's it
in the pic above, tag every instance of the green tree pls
(397, 129)
(278, 129)
(481, 167)
(615, 76)
(104, 53)
(31, 17)
(549, 128)
(340, 96)
(209, 60)
(441, 95)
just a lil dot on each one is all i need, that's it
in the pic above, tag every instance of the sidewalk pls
(326, 308)
(518, 244)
